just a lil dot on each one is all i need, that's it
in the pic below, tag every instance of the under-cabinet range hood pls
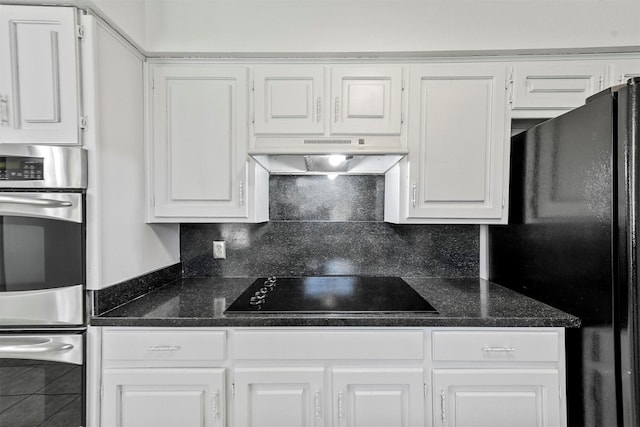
(323, 164)
(328, 156)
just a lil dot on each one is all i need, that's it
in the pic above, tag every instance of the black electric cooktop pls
(330, 294)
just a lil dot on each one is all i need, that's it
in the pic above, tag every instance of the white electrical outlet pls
(219, 250)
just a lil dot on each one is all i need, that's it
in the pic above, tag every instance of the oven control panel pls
(13, 168)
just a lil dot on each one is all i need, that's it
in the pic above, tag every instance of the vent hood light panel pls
(298, 156)
(322, 164)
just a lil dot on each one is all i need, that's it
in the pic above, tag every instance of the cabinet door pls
(38, 75)
(621, 71)
(458, 150)
(378, 397)
(366, 100)
(199, 142)
(496, 398)
(278, 397)
(548, 89)
(163, 397)
(288, 100)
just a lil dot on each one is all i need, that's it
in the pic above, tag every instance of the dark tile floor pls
(40, 394)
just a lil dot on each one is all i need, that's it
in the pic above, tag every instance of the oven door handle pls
(56, 348)
(45, 203)
(29, 347)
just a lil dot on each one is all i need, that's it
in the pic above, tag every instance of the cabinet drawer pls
(495, 346)
(163, 345)
(305, 344)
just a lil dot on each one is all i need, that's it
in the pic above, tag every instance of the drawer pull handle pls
(163, 348)
(502, 349)
(318, 109)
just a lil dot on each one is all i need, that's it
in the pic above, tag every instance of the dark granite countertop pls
(467, 302)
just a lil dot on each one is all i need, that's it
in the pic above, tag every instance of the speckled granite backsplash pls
(330, 227)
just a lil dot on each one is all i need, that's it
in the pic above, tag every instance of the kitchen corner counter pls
(464, 302)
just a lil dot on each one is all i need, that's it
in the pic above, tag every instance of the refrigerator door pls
(559, 245)
(628, 212)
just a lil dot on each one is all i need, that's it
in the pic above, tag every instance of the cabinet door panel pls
(378, 397)
(38, 75)
(496, 398)
(366, 100)
(458, 137)
(200, 171)
(149, 397)
(289, 100)
(199, 142)
(276, 397)
(547, 89)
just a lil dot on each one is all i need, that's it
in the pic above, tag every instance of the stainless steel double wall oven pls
(42, 286)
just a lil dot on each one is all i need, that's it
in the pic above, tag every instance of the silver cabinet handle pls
(317, 405)
(45, 203)
(340, 406)
(443, 406)
(163, 347)
(414, 193)
(318, 109)
(241, 192)
(337, 110)
(216, 410)
(4, 110)
(502, 349)
(18, 346)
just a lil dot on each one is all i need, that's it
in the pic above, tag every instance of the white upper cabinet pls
(366, 100)
(289, 100)
(38, 75)
(458, 156)
(623, 70)
(311, 108)
(547, 89)
(200, 168)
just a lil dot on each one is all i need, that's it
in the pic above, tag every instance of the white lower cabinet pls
(277, 396)
(333, 377)
(299, 396)
(163, 397)
(163, 377)
(378, 397)
(498, 378)
(496, 398)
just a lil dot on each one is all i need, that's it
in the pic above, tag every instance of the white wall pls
(127, 16)
(209, 27)
(342, 26)
(120, 245)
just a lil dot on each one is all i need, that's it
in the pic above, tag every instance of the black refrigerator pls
(572, 242)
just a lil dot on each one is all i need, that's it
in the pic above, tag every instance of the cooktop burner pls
(330, 294)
